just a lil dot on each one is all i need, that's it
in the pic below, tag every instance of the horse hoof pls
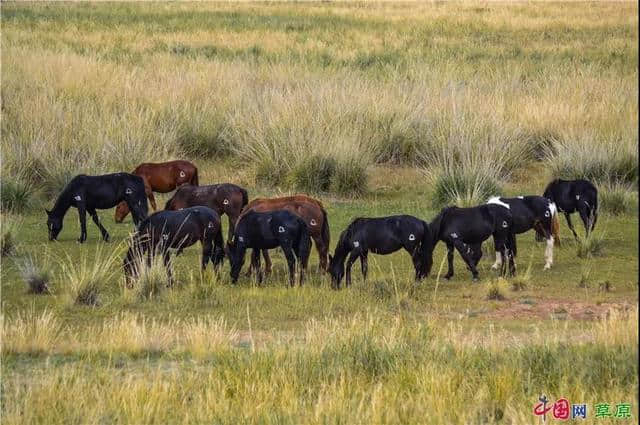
(447, 277)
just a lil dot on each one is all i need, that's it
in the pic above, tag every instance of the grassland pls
(401, 108)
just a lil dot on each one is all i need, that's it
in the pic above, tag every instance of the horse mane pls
(547, 190)
(63, 203)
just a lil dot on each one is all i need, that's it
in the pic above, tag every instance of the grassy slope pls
(384, 351)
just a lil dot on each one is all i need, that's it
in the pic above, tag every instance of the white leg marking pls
(548, 254)
(498, 262)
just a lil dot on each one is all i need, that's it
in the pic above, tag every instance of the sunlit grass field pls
(400, 109)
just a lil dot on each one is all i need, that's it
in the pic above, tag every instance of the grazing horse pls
(91, 193)
(269, 230)
(530, 212)
(575, 195)
(224, 198)
(178, 230)
(162, 178)
(466, 228)
(310, 210)
(383, 235)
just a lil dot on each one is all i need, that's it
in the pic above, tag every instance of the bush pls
(314, 173)
(350, 178)
(617, 199)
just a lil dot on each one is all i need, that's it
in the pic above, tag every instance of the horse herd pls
(194, 214)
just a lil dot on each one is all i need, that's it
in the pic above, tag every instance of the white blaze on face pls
(496, 200)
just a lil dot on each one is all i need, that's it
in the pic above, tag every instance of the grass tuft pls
(9, 225)
(617, 199)
(37, 277)
(591, 245)
(495, 291)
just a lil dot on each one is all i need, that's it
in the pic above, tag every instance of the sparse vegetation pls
(36, 277)
(617, 199)
(9, 225)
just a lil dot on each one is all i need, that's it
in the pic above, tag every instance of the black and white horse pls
(164, 231)
(575, 195)
(91, 193)
(269, 230)
(383, 235)
(466, 228)
(530, 212)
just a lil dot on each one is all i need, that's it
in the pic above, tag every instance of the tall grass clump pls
(87, 277)
(612, 162)
(9, 231)
(152, 280)
(470, 156)
(592, 245)
(36, 275)
(617, 199)
(314, 174)
(16, 194)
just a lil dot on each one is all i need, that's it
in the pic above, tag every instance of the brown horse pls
(224, 198)
(162, 178)
(310, 210)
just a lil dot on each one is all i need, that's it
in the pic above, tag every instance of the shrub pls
(495, 290)
(314, 173)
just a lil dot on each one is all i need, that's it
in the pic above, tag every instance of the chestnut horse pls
(162, 178)
(224, 198)
(310, 210)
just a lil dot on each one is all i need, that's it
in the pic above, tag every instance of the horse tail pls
(555, 225)
(194, 178)
(594, 212)
(326, 236)
(512, 243)
(304, 243)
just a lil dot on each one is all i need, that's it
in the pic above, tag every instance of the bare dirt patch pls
(556, 309)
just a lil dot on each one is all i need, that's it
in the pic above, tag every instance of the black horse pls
(575, 195)
(383, 235)
(466, 228)
(166, 230)
(266, 231)
(91, 193)
(530, 212)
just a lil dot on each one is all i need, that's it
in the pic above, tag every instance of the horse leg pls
(207, 252)
(152, 200)
(267, 261)
(570, 224)
(476, 253)
(96, 220)
(217, 253)
(548, 253)
(449, 260)
(353, 256)
(255, 264)
(467, 256)
(322, 252)
(291, 262)
(587, 218)
(364, 264)
(82, 214)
